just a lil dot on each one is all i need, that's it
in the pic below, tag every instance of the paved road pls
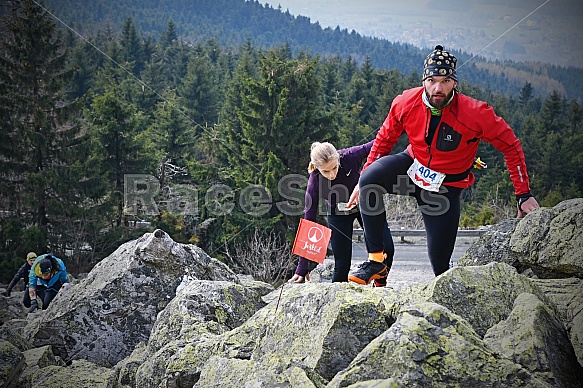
(413, 252)
(411, 263)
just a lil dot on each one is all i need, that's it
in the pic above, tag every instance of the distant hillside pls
(232, 22)
(519, 31)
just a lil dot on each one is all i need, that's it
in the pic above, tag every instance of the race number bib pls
(425, 177)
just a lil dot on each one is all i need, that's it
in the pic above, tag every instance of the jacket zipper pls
(427, 123)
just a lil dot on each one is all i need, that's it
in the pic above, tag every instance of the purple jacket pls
(333, 192)
(338, 190)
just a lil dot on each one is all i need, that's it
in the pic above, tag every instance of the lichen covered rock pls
(566, 296)
(547, 243)
(201, 309)
(105, 315)
(483, 295)
(431, 346)
(316, 327)
(227, 372)
(550, 241)
(81, 374)
(494, 245)
(37, 358)
(12, 331)
(127, 368)
(532, 337)
(12, 364)
(167, 316)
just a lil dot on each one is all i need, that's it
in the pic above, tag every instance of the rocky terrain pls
(157, 313)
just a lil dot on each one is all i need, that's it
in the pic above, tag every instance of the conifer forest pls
(115, 134)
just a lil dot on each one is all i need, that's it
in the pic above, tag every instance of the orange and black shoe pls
(367, 271)
(382, 282)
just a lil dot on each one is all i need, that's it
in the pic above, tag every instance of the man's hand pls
(33, 306)
(6, 293)
(527, 206)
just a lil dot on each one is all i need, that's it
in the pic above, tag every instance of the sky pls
(549, 31)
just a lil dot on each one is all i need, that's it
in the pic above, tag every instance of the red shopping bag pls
(312, 241)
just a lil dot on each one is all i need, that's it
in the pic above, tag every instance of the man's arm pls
(503, 139)
(21, 273)
(385, 140)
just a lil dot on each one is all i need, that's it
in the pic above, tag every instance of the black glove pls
(6, 293)
(521, 198)
(33, 306)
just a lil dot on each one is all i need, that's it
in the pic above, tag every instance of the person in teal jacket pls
(46, 277)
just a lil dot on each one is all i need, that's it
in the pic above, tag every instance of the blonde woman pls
(333, 176)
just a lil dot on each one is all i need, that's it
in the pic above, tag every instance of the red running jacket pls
(464, 122)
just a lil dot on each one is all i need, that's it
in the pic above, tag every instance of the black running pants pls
(440, 211)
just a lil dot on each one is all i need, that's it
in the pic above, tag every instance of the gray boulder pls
(550, 241)
(36, 359)
(105, 315)
(80, 373)
(547, 246)
(547, 242)
(316, 327)
(483, 295)
(229, 372)
(127, 368)
(566, 295)
(494, 245)
(11, 307)
(12, 364)
(511, 315)
(201, 309)
(204, 307)
(534, 338)
(12, 331)
(429, 345)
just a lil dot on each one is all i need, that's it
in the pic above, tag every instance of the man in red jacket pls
(444, 128)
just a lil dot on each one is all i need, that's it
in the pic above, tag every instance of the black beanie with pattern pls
(440, 63)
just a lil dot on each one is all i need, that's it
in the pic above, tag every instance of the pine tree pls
(280, 116)
(199, 90)
(170, 59)
(113, 124)
(169, 139)
(132, 48)
(246, 67)
(525, 94)
(39, 188)
(169, 37)
(363, 90)
(280, 113)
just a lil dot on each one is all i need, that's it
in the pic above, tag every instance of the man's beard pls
(442, 103)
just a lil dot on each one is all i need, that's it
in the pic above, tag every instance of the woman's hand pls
(353, 200)
(299, 278)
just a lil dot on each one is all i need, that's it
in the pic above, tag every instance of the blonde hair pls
(321, 153)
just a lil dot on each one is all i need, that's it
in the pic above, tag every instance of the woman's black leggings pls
(341, 242)
(440, 211)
